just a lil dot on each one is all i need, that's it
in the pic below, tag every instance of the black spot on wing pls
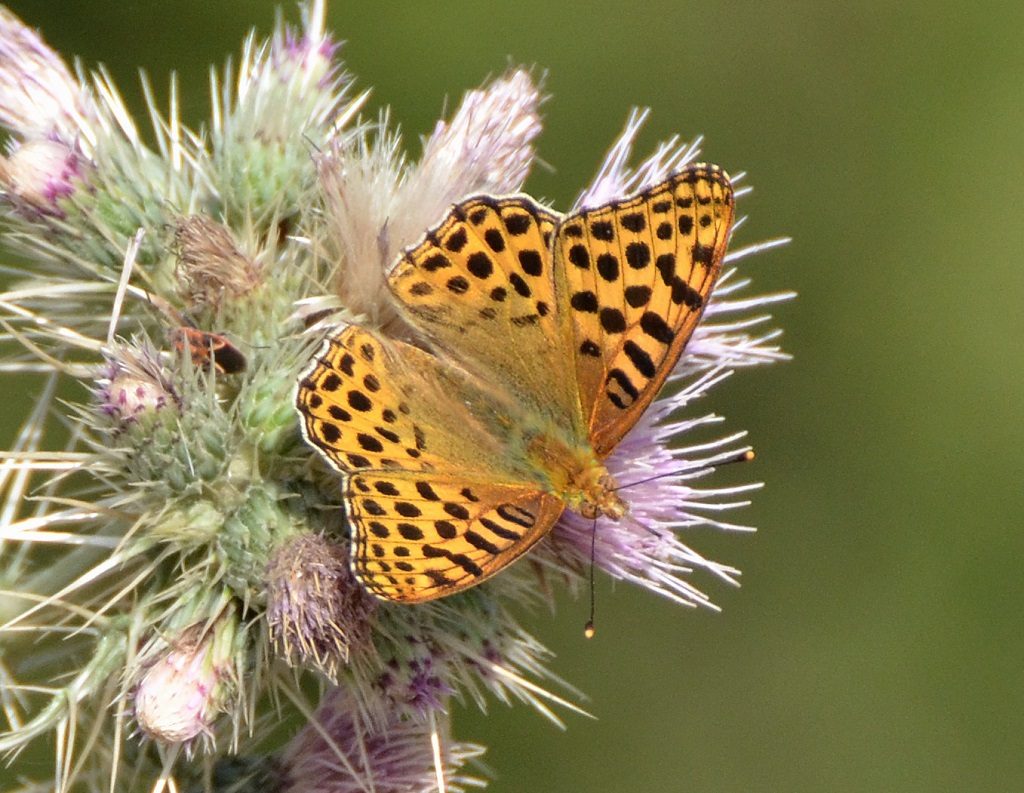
(479, 264)
(501, 531)
(634, 221)
(494, 239)
(436, 262)
(479, 542)
(519, 284)
(456, 241)
(463, 561)
(580, 256)
(517, 224)
(427, 492)
(458, 285)
(703, 254)
(638, 296)
(638, 255)
(584, 301)
(654, 325)
(608, 266)
(640, 359)
(612, 320)
(531, 262)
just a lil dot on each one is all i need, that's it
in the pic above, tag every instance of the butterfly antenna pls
(740, 457)
(589, 630)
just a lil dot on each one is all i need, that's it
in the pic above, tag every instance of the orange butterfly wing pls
(635, 276)
(435, 502)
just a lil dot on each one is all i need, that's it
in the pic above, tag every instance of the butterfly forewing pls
(481, 286)
(635, 276)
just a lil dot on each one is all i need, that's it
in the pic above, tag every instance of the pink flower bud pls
(132, 385)
(179, 695)
(39, 173)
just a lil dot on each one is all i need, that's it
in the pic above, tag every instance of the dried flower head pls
(316, 611)
(211, 267)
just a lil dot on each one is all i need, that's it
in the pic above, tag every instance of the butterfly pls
(542, 339)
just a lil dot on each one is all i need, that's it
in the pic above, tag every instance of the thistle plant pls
(174, 558)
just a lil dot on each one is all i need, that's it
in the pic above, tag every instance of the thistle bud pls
(133, 384)
(309, 54)
(181, 693)
(39, 173)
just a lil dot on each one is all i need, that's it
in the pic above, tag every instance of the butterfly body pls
(577, 477)
(541, 341)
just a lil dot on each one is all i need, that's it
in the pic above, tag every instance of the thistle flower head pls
(335, 753)
(378, 203)
(185, 537)
(316, 611)
(38, 96)
(661, 483)
(487, 146)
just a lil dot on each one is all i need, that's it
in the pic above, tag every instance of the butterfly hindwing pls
(635, 276)
(423, 536)
(436, 501)
(480, 285)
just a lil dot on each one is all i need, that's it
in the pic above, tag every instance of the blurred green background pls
(876, 643)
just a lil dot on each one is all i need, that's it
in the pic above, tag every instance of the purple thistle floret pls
(427, 691)
(336, 753)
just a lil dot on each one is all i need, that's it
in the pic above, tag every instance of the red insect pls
(205, 347)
